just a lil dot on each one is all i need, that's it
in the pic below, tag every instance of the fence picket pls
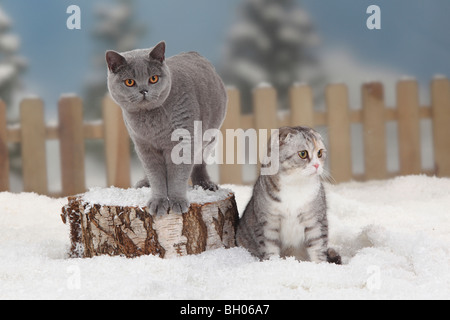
(440, 102)
(302, 105)
(339, 142)
(117, 145)
(265, 109)
(34, 159)
(71, 145)
(408, 127)
(4, 154)
(231, 173)
(374, 131)
(32, 133)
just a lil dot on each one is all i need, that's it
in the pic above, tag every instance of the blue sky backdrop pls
(414, 39)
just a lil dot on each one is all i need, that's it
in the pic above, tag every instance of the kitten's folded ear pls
(158, 52)
(114, 61)
(285, 133)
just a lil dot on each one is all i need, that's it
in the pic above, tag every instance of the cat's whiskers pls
(327, 177)
(153, 96)
(136, 98)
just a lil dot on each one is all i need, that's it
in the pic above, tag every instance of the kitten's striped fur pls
(287, 214)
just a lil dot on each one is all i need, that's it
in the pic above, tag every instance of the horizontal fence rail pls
(32, 133)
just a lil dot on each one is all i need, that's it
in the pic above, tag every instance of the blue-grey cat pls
(157, 96)
(287, 214)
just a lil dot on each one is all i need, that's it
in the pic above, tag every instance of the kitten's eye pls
(303, 154)
(154, 79)
(130, 82)
(320, 153)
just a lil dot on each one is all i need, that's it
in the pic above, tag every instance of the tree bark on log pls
(98, 229)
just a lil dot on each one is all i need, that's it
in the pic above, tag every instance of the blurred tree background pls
(117, 29)
(272, 41)
(248, 41)
(12, 67)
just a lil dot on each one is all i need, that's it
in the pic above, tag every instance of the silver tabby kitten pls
(287, 214)
(157, 96)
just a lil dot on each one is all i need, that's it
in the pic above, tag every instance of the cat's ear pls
(114, 61)
(285, 133)
(158, 52)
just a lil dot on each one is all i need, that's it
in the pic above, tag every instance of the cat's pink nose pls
(316, 165)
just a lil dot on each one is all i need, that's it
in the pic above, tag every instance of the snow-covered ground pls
(394, 237)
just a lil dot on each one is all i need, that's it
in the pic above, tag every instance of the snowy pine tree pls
(271, 41)
(116, 30)
(12, 66)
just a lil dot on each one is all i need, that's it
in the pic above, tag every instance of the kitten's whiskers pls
(327, 177)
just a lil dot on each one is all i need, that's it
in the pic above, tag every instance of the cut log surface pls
(114, 221)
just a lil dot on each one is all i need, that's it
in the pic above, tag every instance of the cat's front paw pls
(179, 205)
(142, 183)
(158, 206)
(207, 185)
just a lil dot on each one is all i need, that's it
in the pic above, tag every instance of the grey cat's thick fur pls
(188, 89)
(287, 214)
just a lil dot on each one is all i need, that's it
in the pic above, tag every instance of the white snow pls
(393, 235)
(9, 43)
(6, 72)
(263, 85)
(139, 197)
(439, 77)
(5, 21)
(300, 84)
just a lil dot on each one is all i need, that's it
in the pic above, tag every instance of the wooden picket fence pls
(72, 131)
(338, 118)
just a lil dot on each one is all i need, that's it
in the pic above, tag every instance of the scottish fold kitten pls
(287, 214)
(157, 96)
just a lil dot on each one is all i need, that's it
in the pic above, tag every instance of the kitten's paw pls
(158, 206)
(333, 256)
(179, 205)
(207, 185)
(142, 183)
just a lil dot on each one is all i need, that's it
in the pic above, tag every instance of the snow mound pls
(139, 197)
(393, 235)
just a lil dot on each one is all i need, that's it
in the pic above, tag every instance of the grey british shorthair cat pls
(157, 96)
(287, 214)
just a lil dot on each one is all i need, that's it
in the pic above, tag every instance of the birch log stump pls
(115, 221)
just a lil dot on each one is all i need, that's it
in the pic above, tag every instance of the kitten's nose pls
(144, 92)
(316, 165)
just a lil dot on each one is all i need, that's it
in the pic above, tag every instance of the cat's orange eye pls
(154, 79)
(303, 154)
(320, 153)
(130, 82)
